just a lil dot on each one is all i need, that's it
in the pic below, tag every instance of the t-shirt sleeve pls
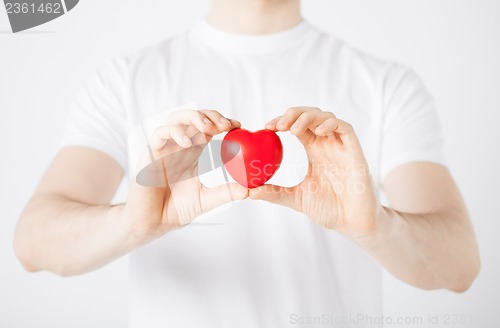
(97, 118)
(411, 126)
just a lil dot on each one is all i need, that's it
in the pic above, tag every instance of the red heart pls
(251, 158)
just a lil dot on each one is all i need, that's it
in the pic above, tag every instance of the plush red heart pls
(251, 158)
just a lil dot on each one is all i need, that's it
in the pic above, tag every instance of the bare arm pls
(426, 237)
(68, 226)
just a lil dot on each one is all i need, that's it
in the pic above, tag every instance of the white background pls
(454, 45)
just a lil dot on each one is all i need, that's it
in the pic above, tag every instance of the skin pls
(254, 16)
(425, 238)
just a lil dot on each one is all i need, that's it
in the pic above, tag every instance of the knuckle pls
(199, 115)
(348, 126)
(172, 117)
(307, 116)
(212, 111)
(329, 114)
(332, 123)
(195, 113)
(197, 119)
(292, 111)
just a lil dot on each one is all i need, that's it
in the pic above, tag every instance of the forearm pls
(69, 238)
(429, 251)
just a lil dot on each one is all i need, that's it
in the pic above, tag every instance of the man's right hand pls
(69, 226)
(152, 211)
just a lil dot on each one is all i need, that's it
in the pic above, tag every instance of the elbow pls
(465, 284)
(29, 252)
(466, 277)
(28, 261)
(24, 248)
(462, 282)
(24, 256)
(467, 262)
(22, 244)
(27, 266)
(461, 286)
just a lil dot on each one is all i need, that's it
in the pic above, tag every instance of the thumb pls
(285, 196)
(220, 195)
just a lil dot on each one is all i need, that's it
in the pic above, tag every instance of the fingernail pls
(207, 121)
(224, 120)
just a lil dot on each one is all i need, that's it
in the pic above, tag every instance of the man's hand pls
(337, 191)
(152, 211)
(425, 239)
(69, 226)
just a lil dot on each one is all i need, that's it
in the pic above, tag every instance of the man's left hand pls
(337, 192)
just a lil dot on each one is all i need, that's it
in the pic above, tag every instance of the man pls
(375, 192)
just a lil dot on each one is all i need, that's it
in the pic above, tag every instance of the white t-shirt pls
(251, 263)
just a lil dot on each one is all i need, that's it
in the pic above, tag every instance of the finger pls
(291, 115)
(200, 138)
(197, 137)
(309, 121)
(330, 126)
(285, 196)
(190, 117)
(222, 123)
(344, 130)
(159, 138)
(201, 121)
(306, 124)
(327, 127)
(192, 130)
(165, 133)
(178, 134)
(271, 125)
(235, 123)
(213, 197)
